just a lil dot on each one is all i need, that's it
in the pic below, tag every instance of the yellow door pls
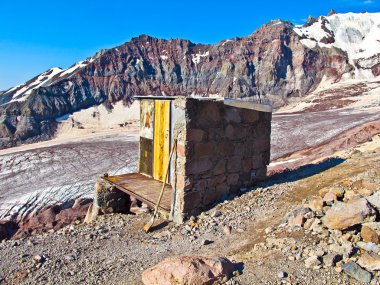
(161, 148)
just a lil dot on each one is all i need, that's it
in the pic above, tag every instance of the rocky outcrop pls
(270, 64)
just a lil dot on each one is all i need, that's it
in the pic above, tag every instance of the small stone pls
(368, 246)
(207, 242)
(315, 204)
(369, 235)
(356, 272)
(312, 261)
(322, 192)
(308, 223)
(227, 230)
(268, 230)
(331, 259)
(297, 221)
(339, 192)
(216, 214)
(39, 258)
(346, 237)
(282, 274)
(329, 198)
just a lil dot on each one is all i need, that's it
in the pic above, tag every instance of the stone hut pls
(220, 147)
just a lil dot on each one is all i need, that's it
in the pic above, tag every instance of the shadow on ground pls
(291, 175)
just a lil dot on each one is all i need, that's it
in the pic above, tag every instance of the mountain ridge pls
(275, 63)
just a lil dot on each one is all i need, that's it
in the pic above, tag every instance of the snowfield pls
(356, 34)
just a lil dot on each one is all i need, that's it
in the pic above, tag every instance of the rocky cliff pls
(276, 62)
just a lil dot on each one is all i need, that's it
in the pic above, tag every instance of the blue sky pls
(36, 35)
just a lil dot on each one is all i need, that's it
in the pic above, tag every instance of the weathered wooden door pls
(146, 137)
(161, 138)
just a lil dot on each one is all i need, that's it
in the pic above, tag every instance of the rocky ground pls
(249, 229)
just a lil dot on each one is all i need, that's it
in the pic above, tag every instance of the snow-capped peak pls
(22, 91)
(356, 34)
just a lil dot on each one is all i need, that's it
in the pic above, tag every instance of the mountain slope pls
(275, 63)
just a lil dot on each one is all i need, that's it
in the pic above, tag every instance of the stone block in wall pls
(247, 164)
(203, 149)
(195, 135)
(181, 182)
(232, 115)
(192, 200)
(220, 167)
(233, 178)
(207, 114)
(200, 185)
(250, 116)
(225, 148)
(211, 196)
(234, 163)
(222, 189)
(266, 157)
(257, 161)
(261, 173)
(198, 166)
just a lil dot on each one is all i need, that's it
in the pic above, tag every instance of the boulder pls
(369, 261)
(188, 270)
(344, 215)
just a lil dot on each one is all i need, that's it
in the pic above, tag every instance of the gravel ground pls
(115, 250)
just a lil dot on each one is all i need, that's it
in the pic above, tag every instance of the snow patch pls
(356, 34)
(198, 57)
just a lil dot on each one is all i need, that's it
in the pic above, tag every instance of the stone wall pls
(220, 150)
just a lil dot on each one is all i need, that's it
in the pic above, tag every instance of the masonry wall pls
(220, 150)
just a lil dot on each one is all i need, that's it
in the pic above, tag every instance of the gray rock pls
(216, 214)
(312, 261)
(368, 246)
(356, 272)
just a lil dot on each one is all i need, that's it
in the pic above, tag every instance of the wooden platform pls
(143, 188)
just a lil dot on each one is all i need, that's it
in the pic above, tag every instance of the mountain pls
(276, 63)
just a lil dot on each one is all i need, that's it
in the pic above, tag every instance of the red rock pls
(188, 270)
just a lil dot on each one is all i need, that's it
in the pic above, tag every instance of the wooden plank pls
(161, 142)
(143, 188)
